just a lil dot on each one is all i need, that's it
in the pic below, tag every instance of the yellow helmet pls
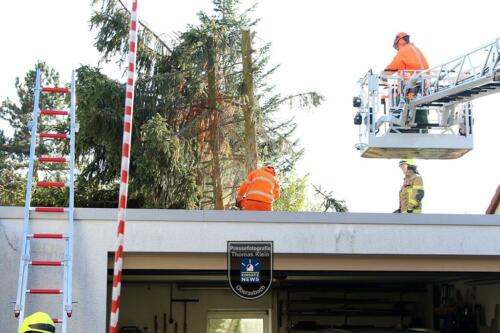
(410, 162)
(38, 322)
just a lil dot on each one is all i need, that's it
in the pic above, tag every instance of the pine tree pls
(174, 82)
(14, 150)
(188, 136)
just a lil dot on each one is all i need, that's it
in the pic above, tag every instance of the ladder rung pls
(44, 291)
(50, 209)
(51, 184)
(54, 135)
(54, 112)
(47, 263)
(47, 236)
(55, 90)
(52, 159)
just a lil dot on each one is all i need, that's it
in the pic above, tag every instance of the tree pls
(19, 116)
(174, 82)
(329, 203)
(11, 183)
(165, 159)
(161, 162)
(162, 174)
(180, 135)
(14, 151)
(293, 193)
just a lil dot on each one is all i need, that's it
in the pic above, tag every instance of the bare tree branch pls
(329, 202)
(148, 29)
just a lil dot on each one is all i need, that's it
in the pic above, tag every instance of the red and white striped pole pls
(122, 202)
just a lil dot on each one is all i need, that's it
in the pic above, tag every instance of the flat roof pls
(110, 214)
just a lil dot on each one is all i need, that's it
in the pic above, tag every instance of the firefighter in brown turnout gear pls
(412, 191)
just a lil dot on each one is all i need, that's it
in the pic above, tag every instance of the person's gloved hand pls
(238, 203)
(409, 211)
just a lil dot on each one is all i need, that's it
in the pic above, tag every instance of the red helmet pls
(270, 169)
(399, 37)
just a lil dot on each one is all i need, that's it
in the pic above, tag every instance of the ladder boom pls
(425, 113)
(472, 75)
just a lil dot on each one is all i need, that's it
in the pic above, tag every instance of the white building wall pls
(165, 231)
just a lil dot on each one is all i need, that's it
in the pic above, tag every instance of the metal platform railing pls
(464, 78)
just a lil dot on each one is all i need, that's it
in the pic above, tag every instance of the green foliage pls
(172, 82)
(14, 151)
(99, 196)
(113, 28)
(100, 114)
(293, 194)
(19, 116)
(328, 202)
(11, 184)
(163, 176)
(161, 162)
(170, 164)
(112, 22)
(50, 196)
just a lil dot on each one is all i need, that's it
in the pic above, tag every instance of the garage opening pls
(199, 301)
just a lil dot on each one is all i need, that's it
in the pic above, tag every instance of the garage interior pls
(301, 300)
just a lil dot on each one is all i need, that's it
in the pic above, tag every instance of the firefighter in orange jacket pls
(410, 58)
(259, 190)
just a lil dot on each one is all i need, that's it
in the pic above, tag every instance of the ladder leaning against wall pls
(28, 262)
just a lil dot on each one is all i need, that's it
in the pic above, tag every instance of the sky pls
(320, 45)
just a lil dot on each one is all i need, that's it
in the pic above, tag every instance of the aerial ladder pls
(36, 265)
(388, 105)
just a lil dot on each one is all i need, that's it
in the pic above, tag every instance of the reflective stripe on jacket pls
(256, 205)
(260, 185)
(411, 193)
(409, 57)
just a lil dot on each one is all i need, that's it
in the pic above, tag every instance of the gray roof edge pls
(177, 215)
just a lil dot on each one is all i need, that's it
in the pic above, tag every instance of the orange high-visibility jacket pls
(409, 57)
(260, 185)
